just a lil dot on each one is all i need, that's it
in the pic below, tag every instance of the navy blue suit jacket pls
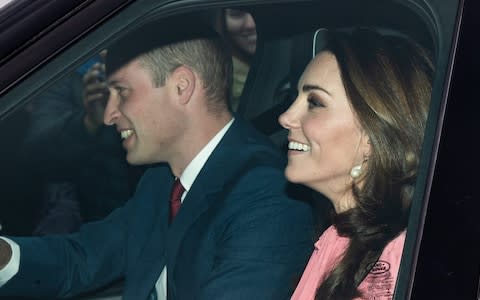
(236, 236)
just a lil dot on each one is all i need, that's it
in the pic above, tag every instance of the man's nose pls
(111, 109)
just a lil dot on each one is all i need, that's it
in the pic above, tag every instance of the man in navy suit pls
(237, 235)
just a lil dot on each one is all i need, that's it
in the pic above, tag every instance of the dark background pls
(449, 260)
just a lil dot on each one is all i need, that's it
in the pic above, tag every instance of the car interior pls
(285, 31)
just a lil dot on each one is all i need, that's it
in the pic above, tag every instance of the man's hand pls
(5, 253)
(95, 96)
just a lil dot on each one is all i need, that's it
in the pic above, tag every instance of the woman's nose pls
(289, 118)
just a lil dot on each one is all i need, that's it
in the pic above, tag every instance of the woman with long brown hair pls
(355, 135)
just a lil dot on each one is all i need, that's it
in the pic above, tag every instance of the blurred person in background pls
(239, 30)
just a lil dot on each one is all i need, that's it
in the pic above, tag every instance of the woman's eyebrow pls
(309, 87)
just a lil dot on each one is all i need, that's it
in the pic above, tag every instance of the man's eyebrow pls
(309, 87)
(112, 82)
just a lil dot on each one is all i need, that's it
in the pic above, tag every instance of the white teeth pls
(298, 146)
(126, 133)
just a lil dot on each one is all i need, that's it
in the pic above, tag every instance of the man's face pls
(146, 116)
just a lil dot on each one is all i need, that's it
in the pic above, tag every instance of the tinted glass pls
(59, 170)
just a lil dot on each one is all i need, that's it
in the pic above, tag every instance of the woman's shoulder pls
(389, 260)
(394, 248)
(329, 237)
(380, 281)
(331, 246)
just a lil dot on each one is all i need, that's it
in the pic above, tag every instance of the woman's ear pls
(184, 81)
(366, 146)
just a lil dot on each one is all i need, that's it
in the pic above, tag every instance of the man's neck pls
(195, 140)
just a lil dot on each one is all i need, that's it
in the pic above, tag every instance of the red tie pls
(176, 198)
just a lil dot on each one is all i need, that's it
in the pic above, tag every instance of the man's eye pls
(121, 92)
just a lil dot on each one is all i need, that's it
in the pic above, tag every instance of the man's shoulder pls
(253, 144)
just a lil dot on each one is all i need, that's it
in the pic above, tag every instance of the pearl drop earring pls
(356, 171)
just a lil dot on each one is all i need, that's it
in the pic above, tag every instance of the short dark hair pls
(166, 44)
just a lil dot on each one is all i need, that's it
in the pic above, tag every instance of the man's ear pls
(184, 81)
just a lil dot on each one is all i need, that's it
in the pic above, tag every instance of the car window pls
(82, 172)
(61, 167)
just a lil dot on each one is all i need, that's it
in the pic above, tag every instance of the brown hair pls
(388, 80)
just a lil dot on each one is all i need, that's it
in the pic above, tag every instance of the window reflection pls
(63, 166)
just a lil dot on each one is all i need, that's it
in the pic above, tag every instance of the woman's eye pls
(314, 103)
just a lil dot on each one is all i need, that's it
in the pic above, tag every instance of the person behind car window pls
(239, 29)
(223, 232)
(82, 162)
(355, 134)
(95, 93)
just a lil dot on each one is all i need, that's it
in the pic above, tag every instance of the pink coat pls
(379, 283)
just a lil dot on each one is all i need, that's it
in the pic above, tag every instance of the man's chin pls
(133, 160)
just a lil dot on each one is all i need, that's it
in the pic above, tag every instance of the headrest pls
(319, 41)
(306, 46)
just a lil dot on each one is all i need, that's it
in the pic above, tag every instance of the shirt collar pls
(193, 168)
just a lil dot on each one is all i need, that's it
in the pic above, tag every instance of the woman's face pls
(325, 139)
(241, 29)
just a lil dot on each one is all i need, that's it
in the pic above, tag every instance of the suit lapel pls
(146, 270)
(224, 162)
(199, 198)
(211, 180)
